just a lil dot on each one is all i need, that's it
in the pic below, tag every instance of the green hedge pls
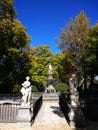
(62, 87)
(34, 88)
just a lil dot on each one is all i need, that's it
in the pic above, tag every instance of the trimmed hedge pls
(34, 89)
(62, 87)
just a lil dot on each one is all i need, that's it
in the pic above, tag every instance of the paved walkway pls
(49, 117)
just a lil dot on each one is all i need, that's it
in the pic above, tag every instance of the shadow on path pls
(57, 110)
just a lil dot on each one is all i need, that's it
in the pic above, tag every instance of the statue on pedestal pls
(50, 69)
(76, 115)
(26, 92)
(50, 79)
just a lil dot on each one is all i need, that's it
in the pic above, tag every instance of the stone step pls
(50, 96)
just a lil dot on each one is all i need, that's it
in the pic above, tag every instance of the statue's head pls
(73, 75)
(27, 77)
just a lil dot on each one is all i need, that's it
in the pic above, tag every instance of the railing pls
(10, 97)
(8, 112)
(36, 107)
(64, 105)
(9, 104)
(88, 103)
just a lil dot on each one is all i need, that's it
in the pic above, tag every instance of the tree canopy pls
(74, 37)
(14, 45)
(39, 61)
(78, 42)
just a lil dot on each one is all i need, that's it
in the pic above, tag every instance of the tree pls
(14, 45)
(74, 37)
(73, 40)
(92, 53)
(41, 56)
(39, 62)
(64, 67)
(7, 9)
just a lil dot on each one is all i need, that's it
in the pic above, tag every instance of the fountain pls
(50, 81)
(50, 91)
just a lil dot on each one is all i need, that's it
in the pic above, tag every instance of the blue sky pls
(44, 19)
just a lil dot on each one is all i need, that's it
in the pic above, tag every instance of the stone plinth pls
(51, 97)
(76, 117)
(24, 116)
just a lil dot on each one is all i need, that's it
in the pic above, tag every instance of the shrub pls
(62, 87)
(34, 88)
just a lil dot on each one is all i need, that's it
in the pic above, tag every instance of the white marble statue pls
(73, 83)
(26, 92)
(73, 89)
(50, 68)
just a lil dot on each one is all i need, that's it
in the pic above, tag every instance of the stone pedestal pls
(76, 117)
(24, 116)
